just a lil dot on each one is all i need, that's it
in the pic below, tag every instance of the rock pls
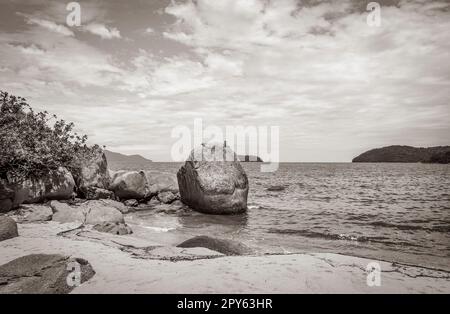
(161, 182)
(227, 247)
(93, 193)
(89, 212)
(167, 208)
(6, 205)
(130, 185)
(35, 213)
(166, 197)
(43, 274)
(98, 212)
(276, 188)
(92, 174)
(56, 185)
(113, 228)
(212, 181)
(117, 205)
(6, 196)
(131, 203)
(65, 213)
(8, 229)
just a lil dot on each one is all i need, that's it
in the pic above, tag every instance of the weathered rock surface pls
(129, 185)
(113, 228)
(34, 213)
(6, 196)
(167, 197)
(65, 213)
(99, 212)
(93, 193)
(41, 273)
(161, 182)
(212, 181)
(8, 228)
(56, 185)
(93, 174)
(227, 247)
(89, 212)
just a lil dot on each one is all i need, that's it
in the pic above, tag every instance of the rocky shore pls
(85, 218)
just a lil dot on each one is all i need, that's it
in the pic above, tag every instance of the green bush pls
(34, 143)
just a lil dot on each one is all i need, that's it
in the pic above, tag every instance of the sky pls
(135, 70)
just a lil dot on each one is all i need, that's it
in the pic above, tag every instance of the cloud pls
(49, 25)
(102, 31)
(334, 85)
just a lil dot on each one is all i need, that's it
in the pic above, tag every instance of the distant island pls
(249, 158)
(401, 153)
(117, 161)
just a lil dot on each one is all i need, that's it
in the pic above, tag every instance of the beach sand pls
(127, 264)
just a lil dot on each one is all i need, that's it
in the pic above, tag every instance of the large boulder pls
(8, 228)
(56, 185)
(44, 274)
(212, 181)
(93, 174)
(129, 185)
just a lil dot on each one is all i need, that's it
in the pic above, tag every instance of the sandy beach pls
(128, 264)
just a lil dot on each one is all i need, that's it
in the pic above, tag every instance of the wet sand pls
(127, 264)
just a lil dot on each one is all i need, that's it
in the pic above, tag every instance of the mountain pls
(249, 158)
(399, 153)
(117, 161)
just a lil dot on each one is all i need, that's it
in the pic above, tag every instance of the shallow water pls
(394, 212)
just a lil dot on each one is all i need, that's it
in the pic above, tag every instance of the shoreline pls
(124, 264)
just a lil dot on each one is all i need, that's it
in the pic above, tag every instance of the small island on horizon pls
(403, 153)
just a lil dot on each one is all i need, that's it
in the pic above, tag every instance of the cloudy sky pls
(133, 70)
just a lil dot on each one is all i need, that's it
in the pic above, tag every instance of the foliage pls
(34, 143)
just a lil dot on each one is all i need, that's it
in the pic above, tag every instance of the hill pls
(399, 153)
(117, 161)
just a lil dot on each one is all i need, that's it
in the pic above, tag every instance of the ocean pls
(388, 211)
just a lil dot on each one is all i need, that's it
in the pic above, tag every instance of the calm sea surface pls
(394, 212)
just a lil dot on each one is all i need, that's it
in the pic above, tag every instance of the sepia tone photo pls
(224, 147)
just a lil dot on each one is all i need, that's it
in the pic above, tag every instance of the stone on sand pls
(8, 228)
(42, 274)
(89, 212)
(64, 213)
(224, 246)
(35, 213)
